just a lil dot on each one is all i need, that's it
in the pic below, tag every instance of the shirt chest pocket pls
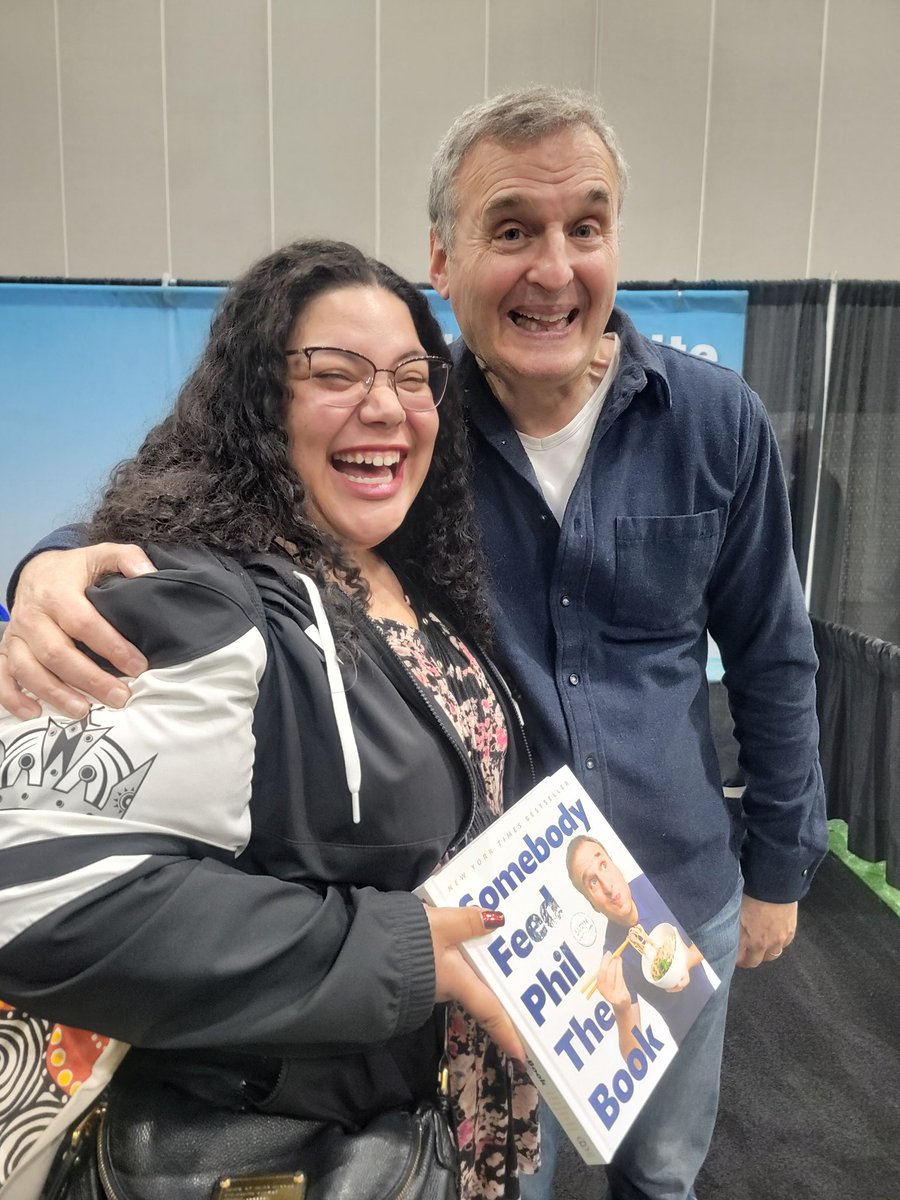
(663, 565)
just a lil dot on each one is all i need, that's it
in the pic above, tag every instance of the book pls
(600, 980)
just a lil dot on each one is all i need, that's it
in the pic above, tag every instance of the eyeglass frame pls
(391, 371)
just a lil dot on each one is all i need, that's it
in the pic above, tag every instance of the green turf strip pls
(872, 874)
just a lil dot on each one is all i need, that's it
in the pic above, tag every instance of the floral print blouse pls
(494, 1102)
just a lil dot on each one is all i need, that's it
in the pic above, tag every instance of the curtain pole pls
(826, 379)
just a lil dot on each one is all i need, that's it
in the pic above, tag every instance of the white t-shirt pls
(558, 459)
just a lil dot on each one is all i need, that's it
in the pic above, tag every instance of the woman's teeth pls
(389, 458)
(371, 466)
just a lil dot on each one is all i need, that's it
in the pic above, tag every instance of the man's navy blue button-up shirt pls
(677, 525)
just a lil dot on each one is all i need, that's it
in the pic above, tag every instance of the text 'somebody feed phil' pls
(599, 978)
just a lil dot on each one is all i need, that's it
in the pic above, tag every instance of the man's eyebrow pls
(599, 195)
(505, 203)
(515, 200)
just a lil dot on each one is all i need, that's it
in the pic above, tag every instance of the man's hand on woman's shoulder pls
(51, 613)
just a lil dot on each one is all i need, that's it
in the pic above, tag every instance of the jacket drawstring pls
(349, 748)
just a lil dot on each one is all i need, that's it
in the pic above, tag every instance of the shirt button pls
(565, 601)
(573, 679)
(590, 762)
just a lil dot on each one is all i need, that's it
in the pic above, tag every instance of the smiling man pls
(631, 500)
(529, 263)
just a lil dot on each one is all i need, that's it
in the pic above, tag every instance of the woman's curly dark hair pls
(217, 472)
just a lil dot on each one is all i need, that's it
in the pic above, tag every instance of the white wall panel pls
(432, 67)
(762, 139)
(652, 81)
(217, 105)
(195, 158)
(323, 88)
(31, 200)
(111, 70)
(856, 223)
(536, 41)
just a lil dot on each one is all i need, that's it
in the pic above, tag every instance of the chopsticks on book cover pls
(616, 953)
(590, 986)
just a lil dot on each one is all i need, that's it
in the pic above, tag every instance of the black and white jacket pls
(187, 873)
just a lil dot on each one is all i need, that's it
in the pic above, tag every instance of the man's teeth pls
(534, 324)
(388, 459)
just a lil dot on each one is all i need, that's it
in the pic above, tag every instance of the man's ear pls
(438, 265)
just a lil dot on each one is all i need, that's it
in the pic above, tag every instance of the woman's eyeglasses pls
(343, 378)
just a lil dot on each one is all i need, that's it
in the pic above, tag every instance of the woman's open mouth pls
(368, 466)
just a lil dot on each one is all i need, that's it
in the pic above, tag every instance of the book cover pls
(597, 975)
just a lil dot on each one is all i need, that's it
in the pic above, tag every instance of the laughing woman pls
(220, 873)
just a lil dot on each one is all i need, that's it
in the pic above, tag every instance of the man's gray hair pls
(514, 118)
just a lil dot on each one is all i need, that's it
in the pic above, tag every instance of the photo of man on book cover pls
(634, 910)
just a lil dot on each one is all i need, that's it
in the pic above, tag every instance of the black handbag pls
(166, 1145)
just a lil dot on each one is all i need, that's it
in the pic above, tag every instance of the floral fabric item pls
(49, 1075)
(495, 1103)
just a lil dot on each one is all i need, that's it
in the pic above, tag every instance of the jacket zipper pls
(442, 724)
(497, 681)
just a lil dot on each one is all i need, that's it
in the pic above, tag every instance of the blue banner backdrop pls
(86, 369)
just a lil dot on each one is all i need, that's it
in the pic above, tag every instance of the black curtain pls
(784, 362)
(858, 700)
(856, 573)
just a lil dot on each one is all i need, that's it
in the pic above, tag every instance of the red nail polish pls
(492, 920)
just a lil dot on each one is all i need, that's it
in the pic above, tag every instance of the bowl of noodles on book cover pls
(664, 960)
